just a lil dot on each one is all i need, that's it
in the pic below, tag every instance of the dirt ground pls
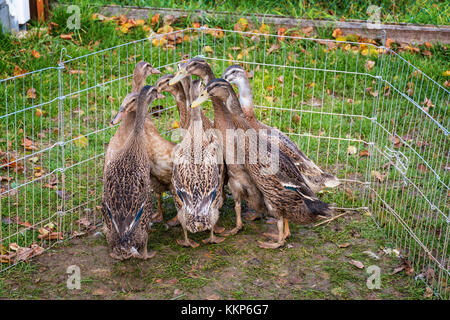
(315, 264)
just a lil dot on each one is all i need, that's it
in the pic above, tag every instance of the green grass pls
(92, 97)
(406, 11)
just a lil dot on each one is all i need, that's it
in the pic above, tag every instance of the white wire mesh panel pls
(358, 111)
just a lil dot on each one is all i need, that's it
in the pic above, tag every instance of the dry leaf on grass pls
(364, 153)
(344, 245)
(357, 264)
(35, 54)
(351, 150)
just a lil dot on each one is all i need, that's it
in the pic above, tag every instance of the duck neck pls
(237, 116)
(246, 98)
(140, 113)
(208, 75)
(138, 81)
(182, 106)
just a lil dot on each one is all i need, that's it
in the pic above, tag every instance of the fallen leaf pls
(428, 293)
(213, 297)
(344, 245)
(369, 64)
(364, 153)
(155, 19)
(351, 150)
(241, 25)
(336, 33)
(421, 168)
(38, 112)
(35, 54)
(296, 118)
(98, 292)
(66, 36)
(18, 71)
(208, 49)
(175, 125)
(280, 79)
(446, 73)
(73, 71)
(307, 31)
(273, 48)
(31, 93)
(264, 28)
(380, 177)
(80, 141)
(357, 264)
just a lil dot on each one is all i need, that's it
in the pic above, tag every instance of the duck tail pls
(318, 208)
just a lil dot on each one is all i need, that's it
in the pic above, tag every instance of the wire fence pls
(360, 111)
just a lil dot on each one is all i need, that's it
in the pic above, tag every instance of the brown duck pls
(127, 202)
(159, 149)
(315, 177)
(286, 194)
(241, 185)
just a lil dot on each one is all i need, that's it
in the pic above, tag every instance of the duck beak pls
(119, 115)
(204, 96)
(181, 74)
(155, 71)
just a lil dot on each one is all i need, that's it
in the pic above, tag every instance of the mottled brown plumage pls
(286, 194)
(127, 196)
(240, 183)
(197, 180)
(315, 177)
(159, 149)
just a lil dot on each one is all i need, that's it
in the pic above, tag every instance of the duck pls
(198, 179)
(125, 116)
(286, 194)
(314, 176)
(127, 201)
(159, 149)
(238, 180)
(181, 91)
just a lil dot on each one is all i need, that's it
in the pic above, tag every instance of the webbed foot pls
(250, 215)
(173, 222)
(218, 229)
(270, 245)
(213, 239)
(188, 243)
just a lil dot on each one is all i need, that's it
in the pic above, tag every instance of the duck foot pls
(149, 255)
(232, 231)
(173, 222)
(213, 239)
(272, 236)
(158, 218)
(218, 229)
(250, 215)
(270, 245)
(188, 243)
(271, 221)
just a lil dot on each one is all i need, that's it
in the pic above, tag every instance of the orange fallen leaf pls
(307, 31)
(66, 36)
(31, 93)
(336, 33)
(35, 54)
(155, 19)
(364, 153)
(357, 264)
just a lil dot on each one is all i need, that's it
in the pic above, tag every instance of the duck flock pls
(260, 165)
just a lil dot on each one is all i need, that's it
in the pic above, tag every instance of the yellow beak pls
(204, 96)
(181, 74)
